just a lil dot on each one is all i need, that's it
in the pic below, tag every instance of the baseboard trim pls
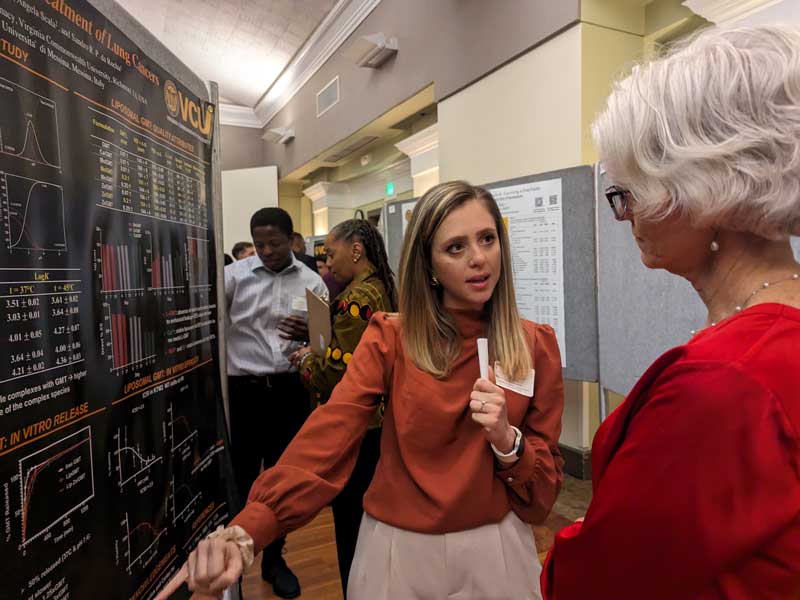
(577, 461)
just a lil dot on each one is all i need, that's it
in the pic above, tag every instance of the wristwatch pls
(301, 364)
(515, 452)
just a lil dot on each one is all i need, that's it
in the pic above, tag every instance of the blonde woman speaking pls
(466, 464)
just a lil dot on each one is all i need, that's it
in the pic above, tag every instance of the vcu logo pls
(187, 109)
(171, 98)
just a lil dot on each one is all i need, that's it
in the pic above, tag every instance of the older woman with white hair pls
(697, 474)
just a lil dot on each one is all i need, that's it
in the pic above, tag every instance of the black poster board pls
(113, 457)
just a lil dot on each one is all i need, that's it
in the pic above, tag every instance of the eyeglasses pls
(620, 200)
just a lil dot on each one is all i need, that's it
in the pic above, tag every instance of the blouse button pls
(510, 479)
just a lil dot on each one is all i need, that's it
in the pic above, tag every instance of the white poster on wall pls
(533, 216)
(406, 208)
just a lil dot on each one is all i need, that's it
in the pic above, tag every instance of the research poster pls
(407, 209)
(533, 214)
(113, 459)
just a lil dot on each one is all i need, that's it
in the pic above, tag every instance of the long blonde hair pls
(429, 332)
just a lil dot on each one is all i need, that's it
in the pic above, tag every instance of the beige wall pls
(450, 43)
(292, 200)
(524, 118)
(244, 191)
(661, 14)
(380, 156)
(606, 54)
(241, 148)
(535, 114)
(425, 181)
(624, 15)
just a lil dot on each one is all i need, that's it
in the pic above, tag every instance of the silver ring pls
(483, 403)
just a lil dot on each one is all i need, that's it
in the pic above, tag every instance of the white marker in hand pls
(483, 357)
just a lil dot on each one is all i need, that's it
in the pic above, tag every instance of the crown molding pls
(722, 12)
(238, 116)
(327, 194)
(421, 142)
(423, 150)
(317, 191)
(336, 27)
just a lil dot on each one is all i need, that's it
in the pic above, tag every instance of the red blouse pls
(696, 476)
(437, 472)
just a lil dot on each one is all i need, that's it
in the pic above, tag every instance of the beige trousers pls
(492, 562)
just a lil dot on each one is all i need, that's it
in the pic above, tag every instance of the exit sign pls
(390, 188)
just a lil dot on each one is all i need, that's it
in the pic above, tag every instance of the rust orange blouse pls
(437, 473)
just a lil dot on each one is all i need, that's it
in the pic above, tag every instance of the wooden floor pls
(311, 551)
(311, 554)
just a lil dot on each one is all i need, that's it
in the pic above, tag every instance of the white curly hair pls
(712, 129)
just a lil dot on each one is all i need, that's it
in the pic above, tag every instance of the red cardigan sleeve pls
(706, 475)
(535, 479)
(318, 462)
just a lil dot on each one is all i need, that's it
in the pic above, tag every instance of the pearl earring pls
(715, 246)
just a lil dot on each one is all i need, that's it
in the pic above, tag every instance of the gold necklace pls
(739, 308)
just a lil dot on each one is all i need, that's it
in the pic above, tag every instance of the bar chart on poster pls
(112, 450)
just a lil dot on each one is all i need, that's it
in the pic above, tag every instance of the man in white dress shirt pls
(266, 321)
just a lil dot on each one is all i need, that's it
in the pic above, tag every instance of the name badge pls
(522, 386)
(299, 305)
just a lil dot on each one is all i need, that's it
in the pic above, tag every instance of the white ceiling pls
(241, 44)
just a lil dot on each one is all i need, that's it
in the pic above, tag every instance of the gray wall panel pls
(241, 147)
(394, 233)
(642, 313)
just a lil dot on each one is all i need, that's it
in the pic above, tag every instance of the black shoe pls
(284, 582)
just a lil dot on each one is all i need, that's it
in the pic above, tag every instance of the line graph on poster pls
(139, 545)
(33, 215)
(28, 125)
(182, 502)
(181, 434)
(133, 464)
(184, 441)
(55, 482)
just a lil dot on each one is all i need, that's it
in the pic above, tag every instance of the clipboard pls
(319, 323)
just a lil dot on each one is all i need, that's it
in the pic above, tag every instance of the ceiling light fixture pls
(279, 135)
(375, 50)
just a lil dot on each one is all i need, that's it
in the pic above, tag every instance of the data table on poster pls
(140, 175)
(41, 322)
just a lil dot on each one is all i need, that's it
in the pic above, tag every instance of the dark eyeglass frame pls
(620, 201)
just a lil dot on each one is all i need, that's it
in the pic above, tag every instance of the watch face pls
(519, 444)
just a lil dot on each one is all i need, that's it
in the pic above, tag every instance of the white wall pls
(524, 118)
(783, 11)
(244, 191)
